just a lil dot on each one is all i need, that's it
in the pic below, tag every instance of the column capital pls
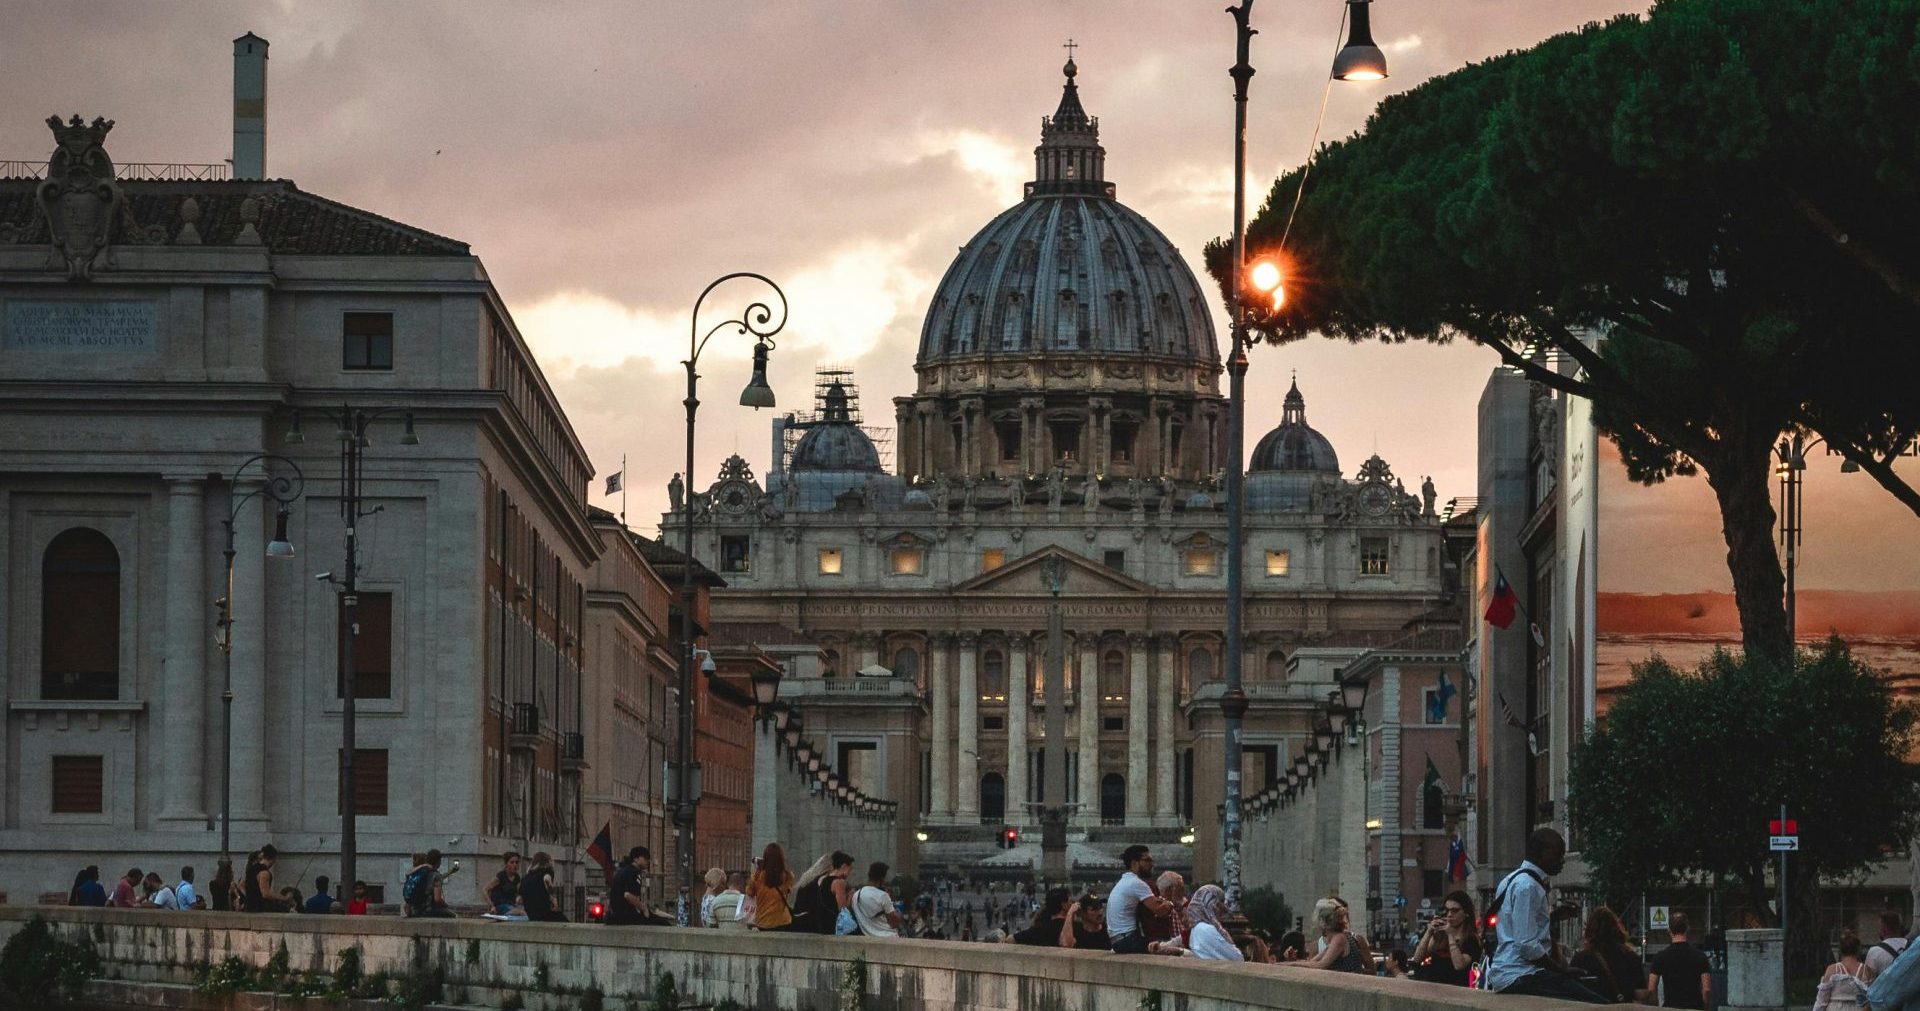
(1140, 640)
(940, 639)
(178, 483)
(867, 640)
(1019, 642)
(968, 639)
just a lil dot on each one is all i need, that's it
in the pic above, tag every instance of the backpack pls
(1490, 939)
(417, 889)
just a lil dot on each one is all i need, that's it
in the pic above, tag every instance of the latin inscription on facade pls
(81, 325)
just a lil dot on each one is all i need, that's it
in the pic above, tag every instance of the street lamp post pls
(757, 320)
(283, 490)
(1358, 60)
(351, 425)
(1053, 786)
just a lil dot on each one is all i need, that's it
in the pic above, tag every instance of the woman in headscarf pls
(1209, 938)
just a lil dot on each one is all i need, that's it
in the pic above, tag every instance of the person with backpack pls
(1844, 986)
(1524, 960)
(873, 910)
(816, 907)
(421, 889)
(1893, 941)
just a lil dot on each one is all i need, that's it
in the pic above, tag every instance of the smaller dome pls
(1294, 445)
(836, 443)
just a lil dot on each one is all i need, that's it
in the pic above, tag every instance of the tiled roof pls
(292, 221)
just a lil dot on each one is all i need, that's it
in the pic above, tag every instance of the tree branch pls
(1880, 468)
(1539, 373)
(1891, 275)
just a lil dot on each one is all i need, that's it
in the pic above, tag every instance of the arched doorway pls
(993, 799)
(80, 617)
(1113, 799)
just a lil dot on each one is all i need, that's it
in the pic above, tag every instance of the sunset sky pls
(606, 161)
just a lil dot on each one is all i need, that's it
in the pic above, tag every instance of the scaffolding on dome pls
(824, 377)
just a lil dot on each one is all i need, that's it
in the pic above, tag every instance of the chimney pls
(249, 107)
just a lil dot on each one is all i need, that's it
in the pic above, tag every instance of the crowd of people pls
(1141, 914)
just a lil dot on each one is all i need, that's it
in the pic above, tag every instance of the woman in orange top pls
(769, 888)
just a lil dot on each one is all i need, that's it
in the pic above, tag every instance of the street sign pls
(1783, 826)
(1656, 917)
(1783, 843)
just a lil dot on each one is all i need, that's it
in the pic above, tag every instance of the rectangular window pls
(1115, 560)
(734, 553)
(829, 561)
(1113, 723)
(1278, 562)
(79, 784)
(1428, 712)
(372, 646)
(1201, 561)
(907, 561)
(369, 781)
(993, 723)
(1122, 442)
(992, 558)
(367, 341)
(1373, 556)
(1066, 441)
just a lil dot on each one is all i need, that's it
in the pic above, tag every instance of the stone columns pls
(249, 661)
(1137, 645)
(1089, 728)
(967, 775)
(767, 783)
(179, 714)
(1103, 439)
(1019, 704)
(1030, 456)
(1389, 776)
(1166, 702)
(940, 683)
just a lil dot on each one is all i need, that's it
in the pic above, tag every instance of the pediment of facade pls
(1025, 576)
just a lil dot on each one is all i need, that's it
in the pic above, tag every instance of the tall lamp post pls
(350, 430)
(1358, 60)
(757, 320)
(282, 489)
(1790, 462)
(1053, 784)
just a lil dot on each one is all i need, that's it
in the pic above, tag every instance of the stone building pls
(156, 336)
(1067, 404)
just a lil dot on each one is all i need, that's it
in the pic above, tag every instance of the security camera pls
(706, 661)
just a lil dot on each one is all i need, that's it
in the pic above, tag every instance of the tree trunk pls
(1806, 952)
(1740, 479)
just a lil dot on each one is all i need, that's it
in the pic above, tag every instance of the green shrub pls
(38, 968)
(231, 975)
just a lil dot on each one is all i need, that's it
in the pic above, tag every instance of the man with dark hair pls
(873, 910)
(624, 904)
(320, 901)
(422, 891)
(1526, 962)
(1893, 941)
(1130, 896)
(1684, 967)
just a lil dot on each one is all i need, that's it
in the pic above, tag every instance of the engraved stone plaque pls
(81, 325)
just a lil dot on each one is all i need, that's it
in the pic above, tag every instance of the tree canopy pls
(1688, 768)
(1723, 192)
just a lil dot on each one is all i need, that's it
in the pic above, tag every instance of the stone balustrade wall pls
(554, 966)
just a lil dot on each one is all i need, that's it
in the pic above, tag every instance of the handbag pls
(845, 924)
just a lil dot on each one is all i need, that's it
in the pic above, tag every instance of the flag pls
(601, 850)
(1437, 704)
(1432, 780)
(1539, 637)
(1501, 608)
(614, 481)
(1458, 866)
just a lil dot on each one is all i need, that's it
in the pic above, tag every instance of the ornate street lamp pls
(1359, 59)
(766, 686)
(758, 321)
(282, 489)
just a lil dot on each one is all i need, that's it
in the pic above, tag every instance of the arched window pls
(993, 674)
(1199, 666)
(830, 663)
(80, 617)
(1113, 676)
(1276, 665)
(906, 662)
(1113, 799)
(993, 799)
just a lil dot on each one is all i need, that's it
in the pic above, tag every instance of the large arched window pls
(906, 663)
(993, 799)
(80, 617)
(993, 674)
(1113, 799)
(1199, 667)
(1276, 665)
(1113, 676)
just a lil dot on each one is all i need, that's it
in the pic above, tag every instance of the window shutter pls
(79, 784)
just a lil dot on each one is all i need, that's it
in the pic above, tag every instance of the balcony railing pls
(140, 171)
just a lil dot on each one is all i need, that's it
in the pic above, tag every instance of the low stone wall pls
(556, 966)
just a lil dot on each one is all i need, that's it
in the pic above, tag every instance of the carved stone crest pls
(80, 197)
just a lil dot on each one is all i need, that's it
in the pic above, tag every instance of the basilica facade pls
(1067, 404)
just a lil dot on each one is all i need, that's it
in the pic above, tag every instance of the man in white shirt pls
(1526, 962)
(1124, 903)
(183, 892)
(1893, 940)
(159, 895)
(873, 908)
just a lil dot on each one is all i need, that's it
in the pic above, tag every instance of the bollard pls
(1755, 969)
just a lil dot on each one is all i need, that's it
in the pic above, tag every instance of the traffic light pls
(1009, 837)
